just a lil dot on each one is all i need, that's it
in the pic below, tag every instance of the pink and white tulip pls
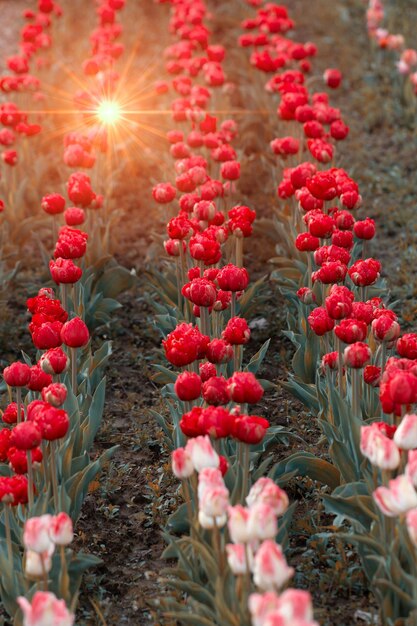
(45, 610)
(270, 569)
(398, 498)
(406, 434)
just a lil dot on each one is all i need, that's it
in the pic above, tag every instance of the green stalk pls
(30, 479)
(8, 534)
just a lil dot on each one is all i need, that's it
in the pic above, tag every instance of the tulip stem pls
(18, 403)
(30, 479)
(239, 251)
(187, 498)
(355, 379)
(64, 578)
(64, 296)
(54, 231)
(340, 366)
(233, 304)
(217, 546)
(245, 470)
(236, 357)
(205, 320)
(74, 370)
(309, 270)
(54, 476)
(8, 534)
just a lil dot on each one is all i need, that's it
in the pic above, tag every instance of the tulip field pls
(208, 290)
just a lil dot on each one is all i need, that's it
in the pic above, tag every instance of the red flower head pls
(46, 335)
(10, 413)
(351, 330)
(54, 361)
(53, 423)
(230, 170)
(163, 193)
(205, 249)
(250, 429)
(188, 386)
(201, 292)
(25, 436)
(74, 333)
(339, 302)
(332, 77)
(179, 227)
(232, 278)
(343, 239)
(18, 459)
(190, 423)
(306, 295)
(385, 328)
(237, 331)
(330, 272)
(339, 130)
(364, 229)
(244, 388)
(71, 244)
(79, 189)
(320, 225)
(4, 443)
(207, 370)
(285, 146)
(184, 345)
(320, 322)
(372, 375)
(55, 394)
(357, 355)
(219, 351)
(407, 346)
(365, 272)
(306, 242)
(329, 361)
(216, 422)
(53, 204)
(325, 254)
(301, 174)
(362, 311)
(17, 374)
(74, 216)
(64, 271)
(215, 391)
(322, 185)
(38, 379)
(344, 219)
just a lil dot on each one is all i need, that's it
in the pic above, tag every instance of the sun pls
(109, 112)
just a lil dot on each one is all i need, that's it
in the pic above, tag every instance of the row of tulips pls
(51, 422)
(406, 62)
(226, 539)
(351, 367)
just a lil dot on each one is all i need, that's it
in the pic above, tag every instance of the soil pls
(123, 514)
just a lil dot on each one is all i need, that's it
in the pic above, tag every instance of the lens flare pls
(109, 112)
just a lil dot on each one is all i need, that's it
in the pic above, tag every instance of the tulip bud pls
(188, 386)
(61, 529)
(236, 558)
(398, 498)
(36, 534)
(237, 523)
(357, 355)
(74, 333)
(25, 436)
(406, 434)
(202, 453)
(182, 465)
(270, 569)
(55, 394)
(54, 361)
(17, 374)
